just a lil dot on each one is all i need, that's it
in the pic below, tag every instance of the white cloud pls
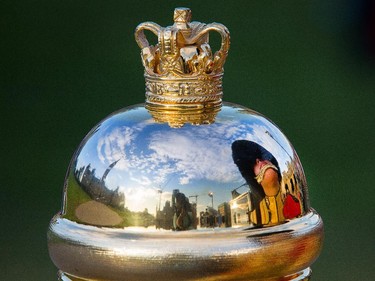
(195, 154)
(202, 152)
(112, 146)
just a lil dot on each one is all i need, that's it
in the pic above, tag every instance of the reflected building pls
(109, 202)
(209, 218)
(292, 194)
(164, 217)
(224, 218)
(96, 188)
(241, 208)
(244, 209)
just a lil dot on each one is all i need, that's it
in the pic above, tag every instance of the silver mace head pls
(185, 187)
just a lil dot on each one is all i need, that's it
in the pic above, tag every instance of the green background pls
(65, 65)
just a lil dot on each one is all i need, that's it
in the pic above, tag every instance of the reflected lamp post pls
(211, 194)
(160, 191)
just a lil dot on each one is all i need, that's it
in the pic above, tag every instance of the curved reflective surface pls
(282, 252)
(185, 187)
(131, 171)
(145, 200)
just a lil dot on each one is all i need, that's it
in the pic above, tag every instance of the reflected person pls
(184, 215)
(261, 171)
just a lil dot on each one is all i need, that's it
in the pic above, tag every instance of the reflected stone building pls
(164, 218)
(209, 218)
(96, 188)
(224, 218)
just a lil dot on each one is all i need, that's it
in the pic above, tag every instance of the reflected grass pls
(76, 196)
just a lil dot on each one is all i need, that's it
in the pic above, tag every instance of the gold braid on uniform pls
(260, 176)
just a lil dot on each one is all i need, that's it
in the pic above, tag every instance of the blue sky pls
(194, 159)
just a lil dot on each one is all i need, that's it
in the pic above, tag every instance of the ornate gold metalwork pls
(180, 71)
(177, 118)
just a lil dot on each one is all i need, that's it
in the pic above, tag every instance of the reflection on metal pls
(96, 187)
(269, 202)
(96, 253)
(124, 187)
(149, 195)
(202, 192)
(240, 210)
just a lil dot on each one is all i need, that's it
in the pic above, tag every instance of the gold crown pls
(181, 72)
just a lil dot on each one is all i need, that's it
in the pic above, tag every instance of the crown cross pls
(182, 15)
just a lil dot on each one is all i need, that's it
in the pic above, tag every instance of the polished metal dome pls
(185, 191)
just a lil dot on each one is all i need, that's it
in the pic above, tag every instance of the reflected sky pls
(153, 159)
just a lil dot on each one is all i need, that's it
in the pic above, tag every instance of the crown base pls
(177, 115)
(197, 92)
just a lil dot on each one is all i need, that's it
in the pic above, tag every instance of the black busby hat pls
(244, 154)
